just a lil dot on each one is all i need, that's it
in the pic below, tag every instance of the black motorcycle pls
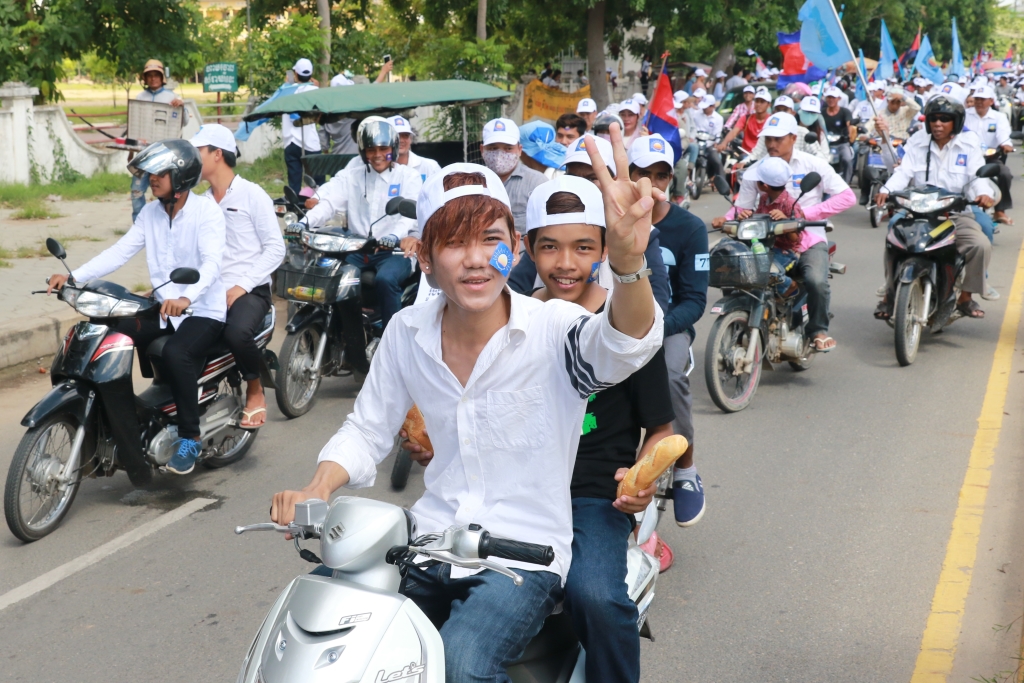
(91, 423)
(928, 271)
(756, 326)
(335, 307)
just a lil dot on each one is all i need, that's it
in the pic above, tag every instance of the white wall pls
(51, 132)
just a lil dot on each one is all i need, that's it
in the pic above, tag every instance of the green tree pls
(275, 47)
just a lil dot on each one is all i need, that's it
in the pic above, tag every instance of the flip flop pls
(659, 549)
(971, 309)
(820, 344)
(247, 415)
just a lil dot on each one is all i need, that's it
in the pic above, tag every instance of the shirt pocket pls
(515, 420)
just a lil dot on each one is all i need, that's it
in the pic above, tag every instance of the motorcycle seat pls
(218, 350)
(551, 655)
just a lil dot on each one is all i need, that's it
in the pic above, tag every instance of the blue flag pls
(245, 128)
(862, 93)
(956, 64)
(926, 65)
(888, 55)
(822, 39)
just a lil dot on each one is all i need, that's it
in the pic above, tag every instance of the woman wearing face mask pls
(501, 150)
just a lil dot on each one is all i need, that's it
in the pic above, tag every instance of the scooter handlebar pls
(491, 546)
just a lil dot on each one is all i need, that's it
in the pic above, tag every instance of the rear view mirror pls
(184, 276)
(988, 171)
(400, 206)
(293, 196)
(391, 208)
(55, 248)
(722, 186)
(811, 139)
(308, 179)
(809, 182)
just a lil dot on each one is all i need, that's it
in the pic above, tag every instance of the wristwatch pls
(630, 278)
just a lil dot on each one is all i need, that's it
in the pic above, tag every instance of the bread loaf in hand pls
(648, 468)
(417, 429)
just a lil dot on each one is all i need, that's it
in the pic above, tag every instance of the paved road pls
(830, 502)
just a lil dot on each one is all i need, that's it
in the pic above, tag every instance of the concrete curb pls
(23, 340)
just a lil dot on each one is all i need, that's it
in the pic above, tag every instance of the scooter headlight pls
(752, 229)
(95, 305)
(926, 202)
(332, 243)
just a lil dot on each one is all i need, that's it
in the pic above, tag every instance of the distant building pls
(221, 9)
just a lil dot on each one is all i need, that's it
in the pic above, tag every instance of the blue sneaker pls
(688, 498)
(184, 459)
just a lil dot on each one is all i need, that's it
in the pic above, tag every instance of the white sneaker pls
(880, 292)
(990, 294)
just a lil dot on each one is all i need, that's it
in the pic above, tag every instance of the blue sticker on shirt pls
(991, 128)
(501, 260)
(594, 267)
(395, 190)
(961, 159)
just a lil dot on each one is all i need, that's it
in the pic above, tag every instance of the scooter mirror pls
(293, 196)
(722, 186)
(809, 182)
(811, 139)
(988, 171)
(55, 248)
(308, 179)
(391, 208)
(184, 276)
(407, 208)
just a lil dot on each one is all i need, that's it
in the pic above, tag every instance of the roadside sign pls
(220, 77)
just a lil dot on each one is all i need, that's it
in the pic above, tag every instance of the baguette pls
(417, 429)
(647, 469)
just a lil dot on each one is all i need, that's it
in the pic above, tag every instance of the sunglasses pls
(941, 118)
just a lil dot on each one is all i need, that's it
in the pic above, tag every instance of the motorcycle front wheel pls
(906, 320)
(297, 384)
(727, 343)
(874, 212)
(34, 503)
(700, 176)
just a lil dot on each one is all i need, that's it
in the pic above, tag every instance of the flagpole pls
(860, 74)
(664, 61)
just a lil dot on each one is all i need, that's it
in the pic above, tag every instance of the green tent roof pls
(379, 98)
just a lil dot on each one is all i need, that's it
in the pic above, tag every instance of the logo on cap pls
(399, 121)
(394, 190)
(947, 88)
(774, 121)
(498, 125)
(581, 145)
(657, 145)
(812, 101)
(961, 159)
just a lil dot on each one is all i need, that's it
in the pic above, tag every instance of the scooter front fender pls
(306, 316)
(68, 396)
(913, 268)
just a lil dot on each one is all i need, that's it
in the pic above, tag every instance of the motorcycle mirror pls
(55, 248)
(988, 171)
(811, 139)
(292, 196)
(407, 208)
(722, 186)
(184, 276)
(391, 208)
(809, 182)
(308, 179)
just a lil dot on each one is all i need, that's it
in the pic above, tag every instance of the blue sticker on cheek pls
(593, 271)
(501, 259)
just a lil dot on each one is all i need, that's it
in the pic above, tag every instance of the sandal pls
(970, 309)
(247, 416)
(1003, 218)
(883, 311)
(823, 344)
(659, 549)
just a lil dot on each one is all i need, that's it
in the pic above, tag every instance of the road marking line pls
(942, 631)
(40, 583)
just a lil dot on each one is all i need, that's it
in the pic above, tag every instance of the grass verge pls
(14, 196)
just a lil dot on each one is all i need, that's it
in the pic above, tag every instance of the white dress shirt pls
(253, 246)
(426, 167)
(801, 163)
(950, 168)
(993, 128)
(364, 193)
(819, 149)
(505, 444)
(194, 239)
(299, 135)
(708, 124)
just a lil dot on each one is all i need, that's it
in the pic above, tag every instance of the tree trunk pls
(724, 60)
(481, 20)
(323, 8)
(595, 54)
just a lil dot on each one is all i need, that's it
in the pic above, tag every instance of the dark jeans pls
(293, 160)
(1003, 180)
(183, 357)
(845, 161)
(485, 620)
(392, 270)
(813, 268)
(714, 163)
(596, 596)
(245, 320)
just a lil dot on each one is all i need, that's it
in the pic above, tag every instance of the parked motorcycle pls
(92, 424)
(928, 271)
(756, 326)
(326, 289)
(355, 626)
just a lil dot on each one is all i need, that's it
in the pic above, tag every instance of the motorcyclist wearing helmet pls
(363, 189)
(154, 90)
(942, 156)
(181, 230)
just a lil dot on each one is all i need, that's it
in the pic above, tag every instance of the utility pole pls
(323, 8)
(595, 54)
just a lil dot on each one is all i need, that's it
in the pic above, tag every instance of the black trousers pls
(293, 161)
(183, 358)
(245, 319)
(714, 163)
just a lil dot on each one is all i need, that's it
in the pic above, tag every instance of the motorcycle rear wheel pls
(296, 385)
(235, 444)
(909, 304)
(700, 176)
(40, 455)
(729, 337)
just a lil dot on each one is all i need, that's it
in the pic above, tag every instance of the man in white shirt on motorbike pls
(426, 167)
(502, 382)
(993, 129)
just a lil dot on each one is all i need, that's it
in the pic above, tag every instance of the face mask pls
(502, 163)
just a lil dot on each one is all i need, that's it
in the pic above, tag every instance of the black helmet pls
(941, 104)
(179, 157)
(730, 247)
(605, 119)
(376, 131)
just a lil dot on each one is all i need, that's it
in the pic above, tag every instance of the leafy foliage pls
(276, 47)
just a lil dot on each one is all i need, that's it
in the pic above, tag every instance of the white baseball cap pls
(876, 85)
(962, 80)
(833, 92)
(921, 82)
(784, 101)
(577, 153)
(639, 97)
(772, 171)
(720, 74)
(586, 106)
(763, 94)
(985, 92)
(537, 215)
(896, 91)
(779, 125)
(401, 124)
(700, 72)
(501, 131)
(215, 135)
(749, 88)
(699, 93)
(649, 150)
(341, 79)
(630, 105)
(433, 195)
(303, 67)
(954, 91)
(810, 103)
(707, 101)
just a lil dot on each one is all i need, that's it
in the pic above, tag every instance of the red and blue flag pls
(661, 114)
(795, 67)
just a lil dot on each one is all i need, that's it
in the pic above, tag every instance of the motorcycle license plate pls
(875, 160)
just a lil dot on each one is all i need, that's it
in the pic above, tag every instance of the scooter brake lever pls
(466, 563)
(264, 526)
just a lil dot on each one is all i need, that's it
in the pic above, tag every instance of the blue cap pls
(538, 140)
